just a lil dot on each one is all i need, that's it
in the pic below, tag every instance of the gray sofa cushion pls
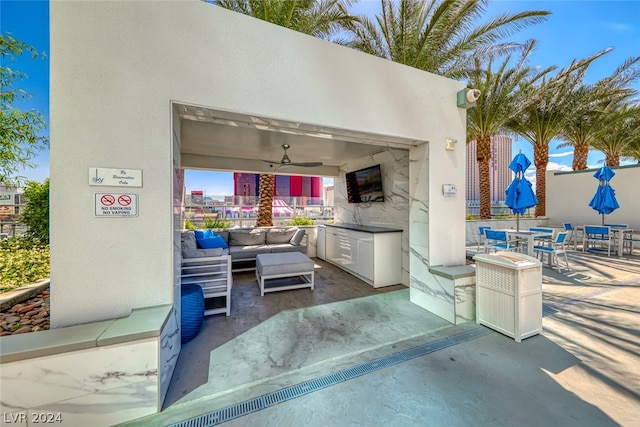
(280, 235)
(247, 238)
(224, 234)
(297, 238)
(286, 247)
(188, 241)
(247, 251)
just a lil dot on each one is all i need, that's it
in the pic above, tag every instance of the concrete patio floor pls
(583, 370)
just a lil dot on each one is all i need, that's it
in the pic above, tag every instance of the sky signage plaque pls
(115, 177)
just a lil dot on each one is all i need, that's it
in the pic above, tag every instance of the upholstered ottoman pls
(283, 265)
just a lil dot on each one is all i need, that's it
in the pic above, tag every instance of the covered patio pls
(155, 108)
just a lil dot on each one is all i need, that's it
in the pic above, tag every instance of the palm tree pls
(632, 151)
(440, 36)
(544, 118)
(583, 128)
(500, 102)
(621, 127)
(325, 19)
(265, 200)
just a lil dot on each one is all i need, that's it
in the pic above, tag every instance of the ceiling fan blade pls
(271, 162)
(307, 164)
(285, 161)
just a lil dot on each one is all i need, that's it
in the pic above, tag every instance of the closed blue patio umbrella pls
(604, 201)
(520, 195)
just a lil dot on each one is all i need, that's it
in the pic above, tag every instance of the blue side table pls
(192, 312)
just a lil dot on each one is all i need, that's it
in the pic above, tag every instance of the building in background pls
(500, 175)
(308, 189)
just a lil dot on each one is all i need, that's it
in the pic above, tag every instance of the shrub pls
(302, 221)
(36, 212)
(22, 261)
(189, 225)
(215, 222)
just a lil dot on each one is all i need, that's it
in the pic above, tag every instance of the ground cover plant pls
(22, 261)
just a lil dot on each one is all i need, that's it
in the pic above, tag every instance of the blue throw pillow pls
(212, 242)
(203, 234)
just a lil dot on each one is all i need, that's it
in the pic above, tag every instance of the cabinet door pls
(331, 246)
(320, 244)
(349, 252)
(365, 259)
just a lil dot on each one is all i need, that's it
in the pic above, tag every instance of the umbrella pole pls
(602, 219)
(518, 222)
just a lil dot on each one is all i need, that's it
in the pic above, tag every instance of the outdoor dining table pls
(618, 236)
(527, 235)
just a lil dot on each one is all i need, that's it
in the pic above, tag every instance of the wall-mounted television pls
(365, 185)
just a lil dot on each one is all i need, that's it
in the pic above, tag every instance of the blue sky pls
(576, 29)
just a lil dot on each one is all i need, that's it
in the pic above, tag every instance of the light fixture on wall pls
(450, 144)
(467, 98)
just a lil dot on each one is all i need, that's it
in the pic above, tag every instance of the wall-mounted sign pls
(7, 198)
(116, 205)
(449, 190)
(115, 177)
(6, 210)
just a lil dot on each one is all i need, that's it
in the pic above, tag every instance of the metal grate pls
(244, 408)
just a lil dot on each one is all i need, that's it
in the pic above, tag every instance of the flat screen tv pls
(365, 185)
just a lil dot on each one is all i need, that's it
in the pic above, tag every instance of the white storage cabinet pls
(373, 257)
(509, 293)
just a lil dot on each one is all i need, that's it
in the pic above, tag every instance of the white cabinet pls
(365, 260)
(374, 257)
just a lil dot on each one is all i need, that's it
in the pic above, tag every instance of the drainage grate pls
(244, 408)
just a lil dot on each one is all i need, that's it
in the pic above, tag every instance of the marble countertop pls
(366, 228)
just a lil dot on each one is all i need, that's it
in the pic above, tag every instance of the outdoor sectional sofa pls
(208, 258)
(244, 244)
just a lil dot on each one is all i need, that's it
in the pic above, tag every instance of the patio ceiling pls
(213, 139)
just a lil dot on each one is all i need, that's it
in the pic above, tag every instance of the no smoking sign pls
(116, 204)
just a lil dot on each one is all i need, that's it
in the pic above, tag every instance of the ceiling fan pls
(286, 161)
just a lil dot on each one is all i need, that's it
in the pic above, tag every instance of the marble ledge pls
(140, 324)
(453, 272)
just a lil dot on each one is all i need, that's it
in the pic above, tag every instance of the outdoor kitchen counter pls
(370, 253)
(366, 228)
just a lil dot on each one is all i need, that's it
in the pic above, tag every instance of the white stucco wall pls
(569, 194)
(116, 67)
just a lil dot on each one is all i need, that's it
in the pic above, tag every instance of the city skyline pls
(583, 28)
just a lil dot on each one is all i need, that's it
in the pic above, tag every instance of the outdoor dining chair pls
(482, 238)
(628, 242)
(543, 238)
(597, 234)
(572, 234)
(553, 249)
(497, 240)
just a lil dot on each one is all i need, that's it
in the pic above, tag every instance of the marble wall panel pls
(394, 212)
(43, 381)
(465, 300)
(169, 351)
(170, 335)
(108, 408)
